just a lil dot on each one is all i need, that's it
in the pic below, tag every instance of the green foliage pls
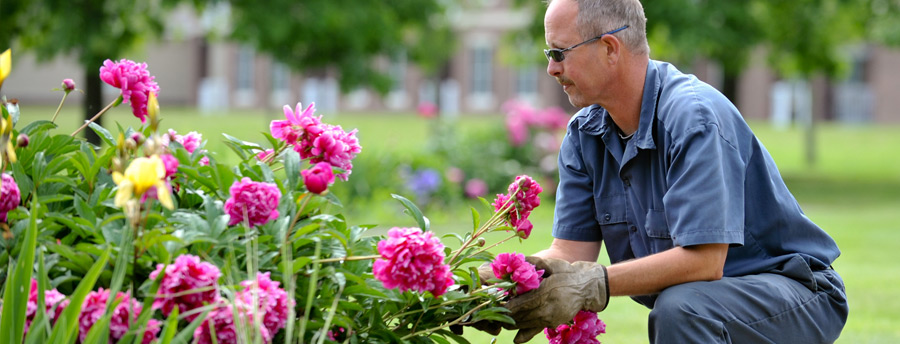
(101, 226)
(346, 34)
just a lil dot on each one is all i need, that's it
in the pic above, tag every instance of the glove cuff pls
(606, 287)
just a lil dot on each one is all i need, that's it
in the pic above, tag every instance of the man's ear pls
(612, 47)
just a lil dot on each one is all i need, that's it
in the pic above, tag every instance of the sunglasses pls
(557, 54)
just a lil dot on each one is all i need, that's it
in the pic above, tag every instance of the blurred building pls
(216, 75)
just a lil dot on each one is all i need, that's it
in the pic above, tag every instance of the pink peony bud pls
(22, 141)
(68, 85)
(318, 178)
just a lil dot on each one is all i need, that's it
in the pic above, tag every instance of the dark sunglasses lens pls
(554, 54)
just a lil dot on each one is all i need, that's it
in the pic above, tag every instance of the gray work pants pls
(790, 305)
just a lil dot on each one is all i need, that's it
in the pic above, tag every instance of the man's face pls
(582, 72)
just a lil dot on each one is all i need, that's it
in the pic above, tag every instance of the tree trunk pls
(93, 102)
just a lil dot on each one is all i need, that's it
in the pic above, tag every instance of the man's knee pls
(679, 315)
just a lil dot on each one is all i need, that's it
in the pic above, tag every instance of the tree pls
(91, 30)
(305, 35)
(346, 34)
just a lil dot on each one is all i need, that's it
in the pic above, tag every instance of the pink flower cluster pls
(272, 301)
(187, 283)
(134, 81)
(318, 178)
(273, 305)
(125, 313)
(257, 201)
(513, 267)
(412, 260)
(584, 330)
(222, 322)
(524, 193)
(521, 117)
(190, 142)
(317, 141)
(9, 195)
(54, 303)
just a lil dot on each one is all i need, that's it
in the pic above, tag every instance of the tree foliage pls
(345, 34)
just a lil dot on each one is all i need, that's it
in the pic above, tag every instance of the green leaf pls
(39, 125)
(476, 219)
(364, 290)
(292, 168)
(168, 332)
(103, 133)
(66, 329)
(12, 324)
(188, 332)
(413, 211)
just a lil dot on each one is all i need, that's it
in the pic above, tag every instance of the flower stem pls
(110, 106)
(516, 234)
(454, 322)
(343, 259)
(311, 292)
(61, 102)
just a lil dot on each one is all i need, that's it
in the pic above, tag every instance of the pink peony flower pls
(221, 319)
(188, 283)
(318, 178)
(336, 147)
(257, 201)
(125, 313)
(134, 81)
(54, 303)
(9, 195)
(273, 302)
(584, 330)
(190, 142)
(514, 268)
(412, 260)
(299, 128)
(526, 192)
(171, 164)
(427, 109)
(68, 85)
(476, 188)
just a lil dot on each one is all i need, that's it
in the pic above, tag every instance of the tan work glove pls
(566, 289)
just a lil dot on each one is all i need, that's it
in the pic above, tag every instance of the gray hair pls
(598, 16)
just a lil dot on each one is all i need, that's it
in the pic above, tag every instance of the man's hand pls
(566, 289)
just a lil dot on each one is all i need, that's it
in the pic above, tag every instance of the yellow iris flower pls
(140, 176)
(5, 65)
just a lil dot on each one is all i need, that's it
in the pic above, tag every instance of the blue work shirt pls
(693, 173)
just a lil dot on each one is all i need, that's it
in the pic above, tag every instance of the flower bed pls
(149, 239)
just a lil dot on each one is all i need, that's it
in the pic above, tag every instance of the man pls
(698, 224)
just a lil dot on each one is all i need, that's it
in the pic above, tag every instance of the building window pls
(482, 70)
(526, 81)
(245, 68)
(281, 76)
(398, 72)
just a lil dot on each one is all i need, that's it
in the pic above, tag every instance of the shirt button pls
(626, 181)
(633, 229)
(607, 217)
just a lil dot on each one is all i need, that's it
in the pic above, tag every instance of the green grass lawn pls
(852, 191)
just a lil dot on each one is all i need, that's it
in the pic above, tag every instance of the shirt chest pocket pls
(610, 209)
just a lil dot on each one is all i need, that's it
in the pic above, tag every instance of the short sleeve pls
(574, 215)
(705, 200)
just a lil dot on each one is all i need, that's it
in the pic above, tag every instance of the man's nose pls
(554, 68)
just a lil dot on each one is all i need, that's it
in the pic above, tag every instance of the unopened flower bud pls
(138, 138)
(117, 164)
(480, 242)
(68, 85)
(22, 141)
(130, 144)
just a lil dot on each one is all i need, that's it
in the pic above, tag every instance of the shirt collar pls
(597, 120)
